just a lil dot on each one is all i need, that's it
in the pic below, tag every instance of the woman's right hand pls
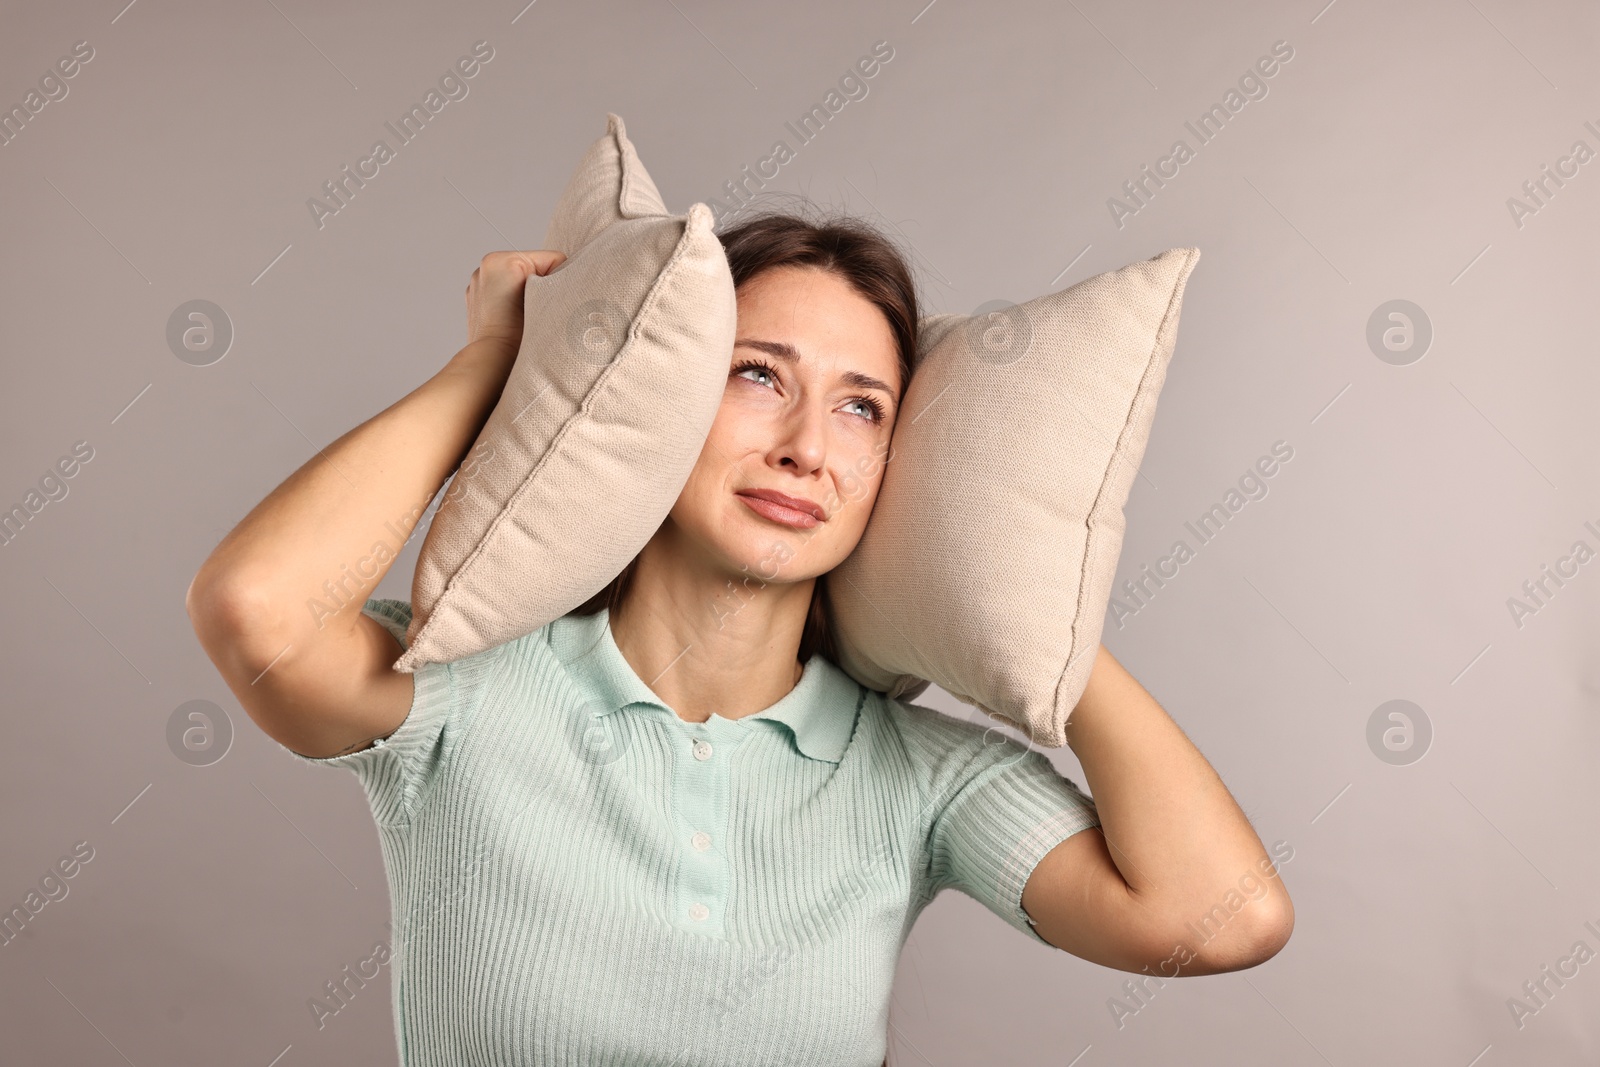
(495, 292)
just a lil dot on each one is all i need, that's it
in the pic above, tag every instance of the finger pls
(540, 261)
(553, 260)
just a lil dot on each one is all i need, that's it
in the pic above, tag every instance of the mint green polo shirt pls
(578, 875)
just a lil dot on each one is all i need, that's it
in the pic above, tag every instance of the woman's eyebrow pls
(785, 351)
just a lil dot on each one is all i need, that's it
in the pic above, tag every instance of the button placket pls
(701, 795)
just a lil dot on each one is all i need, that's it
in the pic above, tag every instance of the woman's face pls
(808, 412)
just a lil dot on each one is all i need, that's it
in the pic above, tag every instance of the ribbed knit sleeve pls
(997, 808)
(396, 771)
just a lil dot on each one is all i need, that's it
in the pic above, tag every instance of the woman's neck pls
(705, 644)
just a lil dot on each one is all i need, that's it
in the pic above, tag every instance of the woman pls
(666, 828)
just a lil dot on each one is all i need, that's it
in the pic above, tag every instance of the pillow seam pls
(652, 298)
(1093, 537)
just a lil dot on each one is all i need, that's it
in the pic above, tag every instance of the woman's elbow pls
(1274, 934)
(1251, 944)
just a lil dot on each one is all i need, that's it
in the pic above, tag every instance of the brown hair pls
(875, 267)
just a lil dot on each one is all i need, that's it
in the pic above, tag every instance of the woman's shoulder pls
(931, 724)
(933, 739)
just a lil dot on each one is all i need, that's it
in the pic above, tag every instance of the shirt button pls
(702, 750)
(699, 912)
(701, 841)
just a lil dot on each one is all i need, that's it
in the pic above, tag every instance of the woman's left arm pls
(1175, 881)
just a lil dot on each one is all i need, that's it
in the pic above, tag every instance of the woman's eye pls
(873, 412)
(762, 371)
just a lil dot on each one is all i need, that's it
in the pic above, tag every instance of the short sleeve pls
(999, 807)
(397, 771)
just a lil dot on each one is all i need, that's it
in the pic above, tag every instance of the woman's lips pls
(788, 516)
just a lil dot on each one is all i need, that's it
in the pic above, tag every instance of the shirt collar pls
(820, 711)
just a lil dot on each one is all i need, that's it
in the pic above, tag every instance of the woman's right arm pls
(277, 604)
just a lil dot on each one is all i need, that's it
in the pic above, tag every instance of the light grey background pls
(1379, 566)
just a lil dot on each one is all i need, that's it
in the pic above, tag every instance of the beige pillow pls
(625, 354)
(986, 566)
